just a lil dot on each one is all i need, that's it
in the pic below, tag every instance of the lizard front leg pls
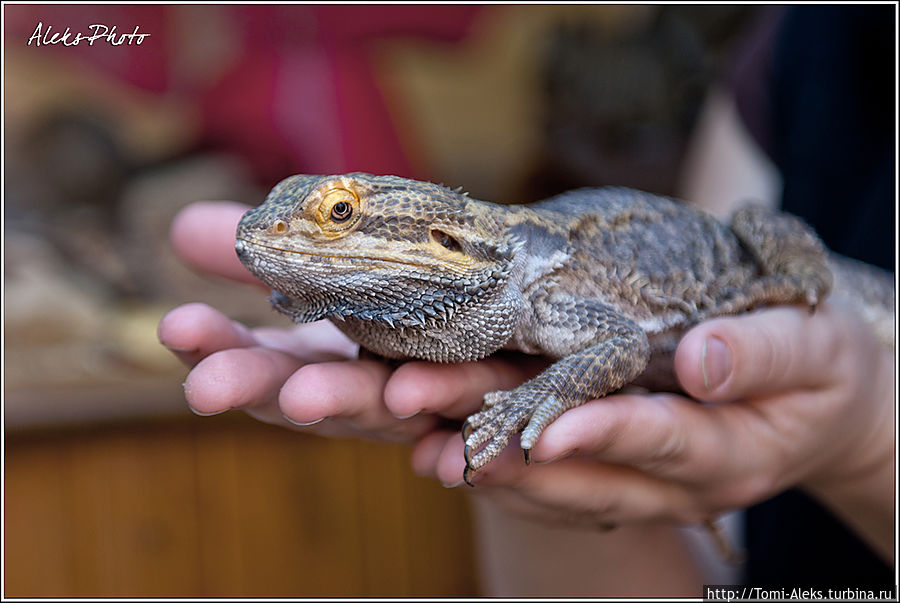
(615, 352)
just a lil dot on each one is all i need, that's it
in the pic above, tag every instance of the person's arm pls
(723, 165)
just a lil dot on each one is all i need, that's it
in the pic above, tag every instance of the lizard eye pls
(445, 240)
(341, 211)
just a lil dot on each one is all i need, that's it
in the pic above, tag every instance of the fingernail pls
(301, 423)
(558, 457)
(410, 416)
(207, 414)
(715, 362)
(177, 350)
(454, 484)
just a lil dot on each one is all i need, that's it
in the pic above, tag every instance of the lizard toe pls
(545, 414)
(477, 420)
(493, 398)
(495, 437)
(481, 436)
(467, 429)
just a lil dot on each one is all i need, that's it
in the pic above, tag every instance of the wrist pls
(865, 502)
(858, 485)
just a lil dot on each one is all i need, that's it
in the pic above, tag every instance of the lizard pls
(604, 281)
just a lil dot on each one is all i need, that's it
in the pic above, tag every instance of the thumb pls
(770, 351)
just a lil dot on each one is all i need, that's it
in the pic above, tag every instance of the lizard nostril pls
(279, 227)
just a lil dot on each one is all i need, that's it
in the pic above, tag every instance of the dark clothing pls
(833, 116)
(825, 114)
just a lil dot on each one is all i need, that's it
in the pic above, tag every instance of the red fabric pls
(302, 95)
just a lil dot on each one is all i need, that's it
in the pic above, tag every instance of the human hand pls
(792, 399)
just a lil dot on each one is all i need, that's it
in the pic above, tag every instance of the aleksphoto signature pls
(100, 33)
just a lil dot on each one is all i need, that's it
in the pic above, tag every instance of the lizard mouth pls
(242, 244)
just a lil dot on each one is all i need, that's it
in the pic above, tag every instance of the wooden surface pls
(226, 506)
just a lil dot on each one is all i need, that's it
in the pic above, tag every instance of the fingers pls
(350, 395)
(293, 377)
(231, 370)
(575, 491)
(331, 389)
(664, 435)
(238, 378)
(194, 331)
(778, 349)
(425, 455)
(454, 390)
(202, 234)
(673, 443)
(278, 388)
(659, 434)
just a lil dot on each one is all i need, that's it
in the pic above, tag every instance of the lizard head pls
(383, 249)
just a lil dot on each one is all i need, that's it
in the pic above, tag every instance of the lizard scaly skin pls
(604, 281)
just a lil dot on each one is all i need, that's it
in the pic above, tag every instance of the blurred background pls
(112, 487)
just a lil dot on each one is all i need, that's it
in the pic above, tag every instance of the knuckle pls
(765, 349)
(769, 360)
(667, 442)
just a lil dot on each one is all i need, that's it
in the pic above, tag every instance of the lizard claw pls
(812, 300)
(727, 551)
(467, 476)
(526, 452)
(467, 429)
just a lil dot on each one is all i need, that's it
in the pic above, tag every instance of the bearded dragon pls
(604, 281)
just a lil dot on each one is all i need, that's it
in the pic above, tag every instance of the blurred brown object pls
(95, 175)
(84, 294)
(146, 127)
(619, 106)
(539, 99)
(472, 112)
